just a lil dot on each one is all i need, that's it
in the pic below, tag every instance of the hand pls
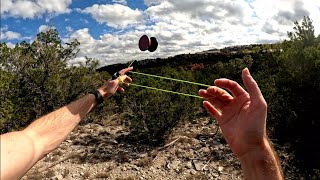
(241, 116)
(112, 86)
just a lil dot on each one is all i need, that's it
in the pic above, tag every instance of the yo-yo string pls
(167, 91)
(172, 79)
(121, 79)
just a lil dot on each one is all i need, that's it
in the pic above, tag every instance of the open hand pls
(241, 116)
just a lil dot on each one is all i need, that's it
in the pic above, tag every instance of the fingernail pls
(247, 70)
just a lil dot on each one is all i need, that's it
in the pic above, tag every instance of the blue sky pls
(74, 20)
(109, 30)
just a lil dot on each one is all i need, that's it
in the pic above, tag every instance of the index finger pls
(124, 71)
(230, 85)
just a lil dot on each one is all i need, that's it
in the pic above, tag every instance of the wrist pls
(98, 96)
(104, 94)
(258, 150)
(261, 162)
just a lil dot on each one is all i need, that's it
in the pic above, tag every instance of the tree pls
(38, 78)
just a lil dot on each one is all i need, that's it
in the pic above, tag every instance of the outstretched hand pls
(113, 85)
(241, 116)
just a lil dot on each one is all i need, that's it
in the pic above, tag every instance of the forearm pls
(261, 163)
(21, 150)
(52, 129)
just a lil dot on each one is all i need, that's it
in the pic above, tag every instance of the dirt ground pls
(101, 151)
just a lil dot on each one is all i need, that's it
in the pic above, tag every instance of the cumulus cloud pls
(191, 26)
(43, 28)
(115, 15)
(110, 48)
(9, 35)
(33, 8)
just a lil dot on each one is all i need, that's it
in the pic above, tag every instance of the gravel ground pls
(94, 151)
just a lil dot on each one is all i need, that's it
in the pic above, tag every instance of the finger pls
(120, 89)
(127, 79)
(230, 85)
(252, 87)
(217, 102)
(124, 71)
(212, 110)
(220, 93)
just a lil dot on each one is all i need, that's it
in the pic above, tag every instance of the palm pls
(242, 117)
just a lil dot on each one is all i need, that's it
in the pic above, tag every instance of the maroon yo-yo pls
(146, 43)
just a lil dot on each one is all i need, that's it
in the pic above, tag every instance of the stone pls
(193, 172)
(143, 155)
(198, 165)
(205, 150)
(57, 177)
(174, 164)
(189, 165)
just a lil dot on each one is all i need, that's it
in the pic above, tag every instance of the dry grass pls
(144, 162)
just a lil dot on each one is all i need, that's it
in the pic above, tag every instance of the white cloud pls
(10, 45)
(115, 15)
(9, 35)
(33, 8)
(109, 48)
(191, 26)
(43, 28)
(69, 29)
(124, 2)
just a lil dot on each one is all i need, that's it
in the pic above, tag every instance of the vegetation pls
(36, 78)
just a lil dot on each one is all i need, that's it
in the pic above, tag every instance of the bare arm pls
(21, 150)
(261, 163)
(242, 117)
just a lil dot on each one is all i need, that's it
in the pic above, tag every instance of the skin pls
(242, 118)
(22, 149)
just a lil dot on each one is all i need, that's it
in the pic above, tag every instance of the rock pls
(174, 164)
(143, 155)
(220, 168)
(193, 172)
(57, 177)
(134, 167)
(189, 165)
(215, 143)
(205, 150)
(198, 165)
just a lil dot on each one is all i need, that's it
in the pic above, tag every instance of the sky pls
(109, 30)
